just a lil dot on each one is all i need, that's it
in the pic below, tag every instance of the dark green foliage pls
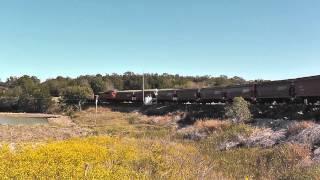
(74, 94)
(26, 94)
(98, 85)
(130, 80)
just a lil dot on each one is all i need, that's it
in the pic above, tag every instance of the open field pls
(130, 145)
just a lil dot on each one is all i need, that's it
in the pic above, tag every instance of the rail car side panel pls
(139, 95)
(246, 91)
(185, 95)
(166, 95)
(212, 94)
(308, 87)
(274, 90)
(124, 96)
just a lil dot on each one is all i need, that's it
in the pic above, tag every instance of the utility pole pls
(95, 115)
(96, 102)
(143, 88)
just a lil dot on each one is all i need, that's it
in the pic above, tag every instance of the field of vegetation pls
(135, 146)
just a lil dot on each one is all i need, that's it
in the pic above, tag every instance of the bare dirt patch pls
(16, 134)
(58, 128)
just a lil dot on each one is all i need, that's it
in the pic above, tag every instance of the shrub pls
(239, 110)
(69, 110)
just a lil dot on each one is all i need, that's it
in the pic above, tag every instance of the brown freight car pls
(308, 88)
(247, 91)
(166, 95)
(188, 95)
(149, 92)
(128, 95)
(275, 90)
(213, 94)
(108, 96)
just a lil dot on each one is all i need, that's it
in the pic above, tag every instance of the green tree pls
(31, 95)
(239, 110)
(98, 85)
(76, 94)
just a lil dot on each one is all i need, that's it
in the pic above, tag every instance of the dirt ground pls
(58, 128)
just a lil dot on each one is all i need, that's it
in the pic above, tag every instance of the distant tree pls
(56, 85)
(98, 85)
(30, 94)
(237, 80)
(75, 94)
(38, 101)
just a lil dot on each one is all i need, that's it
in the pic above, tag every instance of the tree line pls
(29, 94)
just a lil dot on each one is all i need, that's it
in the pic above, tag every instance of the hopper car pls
(306, 89)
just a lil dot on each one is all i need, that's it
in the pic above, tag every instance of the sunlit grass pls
(102, 158)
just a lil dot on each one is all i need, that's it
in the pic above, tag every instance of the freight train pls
(300, 90)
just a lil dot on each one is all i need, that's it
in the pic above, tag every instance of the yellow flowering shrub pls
(100, 158)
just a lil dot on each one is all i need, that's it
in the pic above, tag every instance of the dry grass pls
(288, 161)
(107, 122)
(212, 124)
(59, 128)
(297, 127)
(17, 134)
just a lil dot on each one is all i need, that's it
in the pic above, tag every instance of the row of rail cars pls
(305, 90)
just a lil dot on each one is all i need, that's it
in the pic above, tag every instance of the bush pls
(70, 111)
(239, 110)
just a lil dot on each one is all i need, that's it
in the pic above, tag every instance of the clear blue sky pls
(269, 39)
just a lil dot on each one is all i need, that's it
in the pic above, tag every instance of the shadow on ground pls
(194, 112)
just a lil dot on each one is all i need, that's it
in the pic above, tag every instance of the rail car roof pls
(309, 77)
(293, 79)
(223, 87)
(147, 90)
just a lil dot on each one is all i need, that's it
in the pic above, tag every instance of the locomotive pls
(306, 89)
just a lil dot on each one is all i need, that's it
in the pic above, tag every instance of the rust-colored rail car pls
(125, 96)
(108, 96)
(275, 90)
(308, 87)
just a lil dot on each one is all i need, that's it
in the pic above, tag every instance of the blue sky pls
(267, 39)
